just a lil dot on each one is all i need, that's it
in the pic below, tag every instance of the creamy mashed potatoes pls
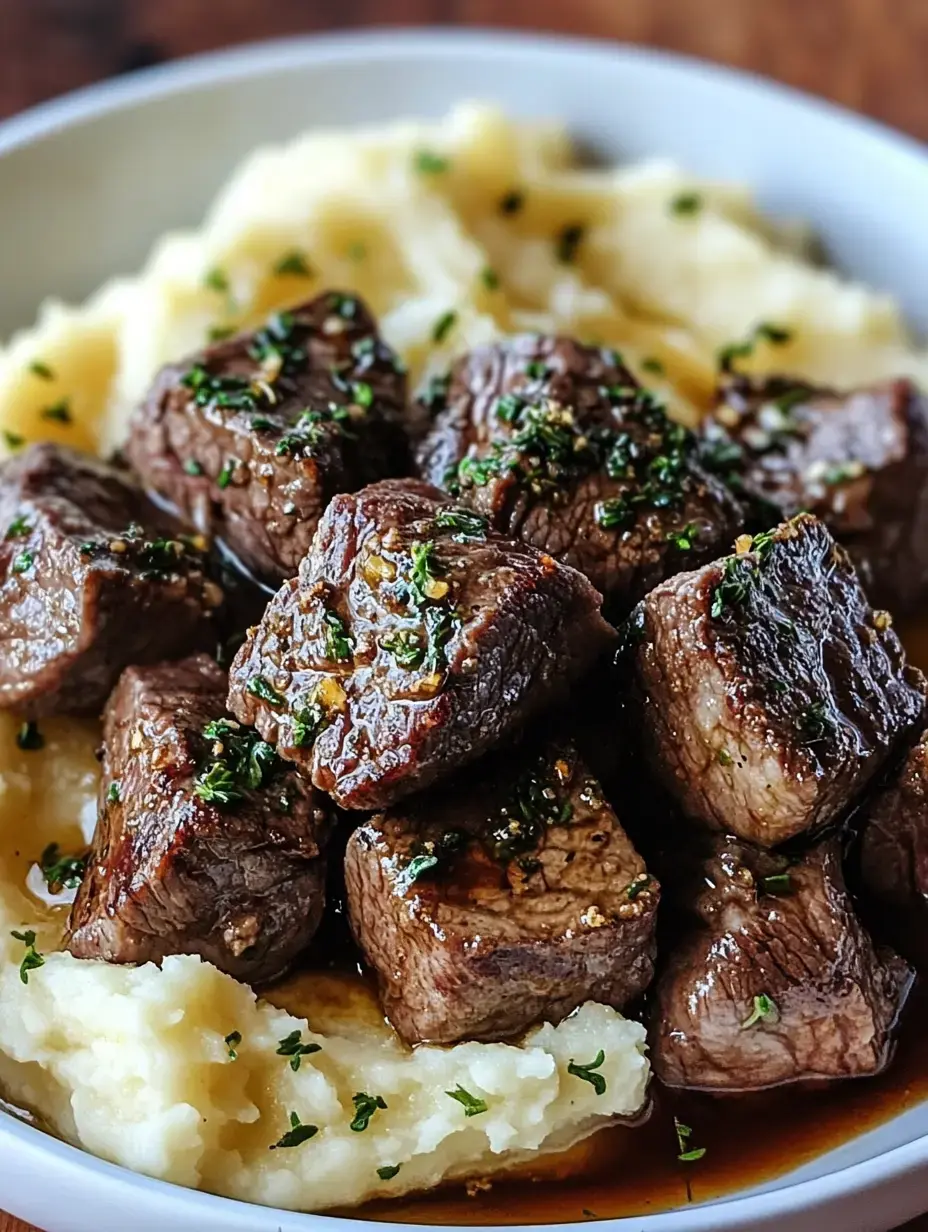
(455, 232)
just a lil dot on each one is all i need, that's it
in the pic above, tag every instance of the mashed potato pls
(176, 1072)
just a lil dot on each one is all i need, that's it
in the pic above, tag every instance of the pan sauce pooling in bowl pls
(455, 233)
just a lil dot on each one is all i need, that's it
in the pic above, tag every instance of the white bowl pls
(89, 181)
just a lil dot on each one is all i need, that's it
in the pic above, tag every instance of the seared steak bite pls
(252, 437)
(768, 691)
(413, 640)
(776, 980)
(205, 844)
(894, 841)
(492, 903)
(558, 446)
(858, 460)
(92, 578)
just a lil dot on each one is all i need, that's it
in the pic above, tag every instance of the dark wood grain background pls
(871, 55)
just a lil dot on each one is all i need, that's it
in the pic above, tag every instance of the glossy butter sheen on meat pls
(502, 899)
(768, 691)
(205, 843)
(413, 640)
(773, 979)
(92, 578)
(557, 445)
(251, 437)
(859, 460)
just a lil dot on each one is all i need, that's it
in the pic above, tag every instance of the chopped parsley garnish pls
(296, 1135)
(29, 738)
(231, 393)
(59, 411)
(216, 279)
(232, 1041)
(308, 722)
(777, 883)
(465, 525)
(470, 1103)
(364, 1108)
(388, 1171)
(63, 871)
(13, 440)
(362, 394)
(724, 758)
(259, 687)
(641, 883)
(23, 562)
(613, 513)
(32, 959)
(653, 364)
(685, 1153)
(293, 264)
(776, 335)
(586, 1072)
(686, 203)
(424, 579)
(684, 539)
(512, 202)
(814, 722)
(429, 163)
(444, 325)
(537, 370)
(240, 761)
(431, 854)
(113, 793)
(193, 467)
(224, 478)
(537, 800)
(345, 305)
(41, 370)
(568, 241)
(338, 641)
(763, 1008)
(292, 1047)
(18, 528)
(419, 865)
(217, 785)
(738, 576)
(489, 278)
(405, 647)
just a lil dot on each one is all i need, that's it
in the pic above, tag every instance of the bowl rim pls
(381, 42)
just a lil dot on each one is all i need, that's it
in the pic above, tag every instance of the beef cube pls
(92, 578)
(252, 437)
(413, 640)
(768, 692)
(512, 897)
(558, 446)
(894, 836)
(858, 460)
(776, 980)
(205, 842)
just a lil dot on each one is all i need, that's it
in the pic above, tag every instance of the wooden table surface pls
(867, 54)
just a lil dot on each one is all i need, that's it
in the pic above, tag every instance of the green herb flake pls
(724, 758)
(292, 1047)
(512, 202)
(32, 959)
(732, 590)
(685, 1153)
(685, 204)
(296, 1135)
(418, 866)
(18, 528)
(258, 687)
(568, 241)
(470, 1103)
(293, 264)
(217, 280)
(65, 872)
(424, 583)
(29, 738)
(777, 883)
(113, 793)
(362, 394)
(217, 785)
(193, 467)
(224, 478)
(465, 525)
(489, 278)
(338, 641)
(405, 647)
(41, 370)
(763, 1008)
(364, 1108)
(232, 1041)
(683, 540)
(587, 1074)
(59, 412)
(653, 365)
(765, 331)
(444, 325)
(219, 333)
(427, 162)
(641, 883)
(388, 1171)
(814, 722)
(13, 440)
(23, 562)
